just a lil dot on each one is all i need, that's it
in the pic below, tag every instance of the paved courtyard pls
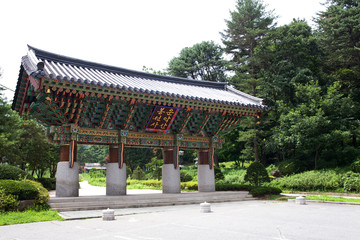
(235, 220)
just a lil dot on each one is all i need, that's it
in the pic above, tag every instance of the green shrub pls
(232, 176)
(13, 173)
(97, 173)
(351, 182)
(355, 166)
(189, 186)
(218, 174)
(289, 167)
(321, 180)
(138, 174)
(232, 187)
(49, 183)
(43, 194)
(256, 174)
(262, 191)
(185, 177)
(8, 202)
(21, 189)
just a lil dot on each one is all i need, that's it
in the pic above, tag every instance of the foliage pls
(256, 174)
(320, 180)
(203, 61)
(138, 157)
(351, 182)
(154, 168)
(48, 183)
(355, 166)
(185, 177)
(8, 202)
(218, 174)
(316, 125)
(144, 184)
(191, 186)
(92, 154)
(10, 130)
(43, 195)
(233, 176)
(12, 172)
(289, 167)
(264, 190)
(248, 25)
(232, 187)
(138, 174)
(28, 216)
(22, 190)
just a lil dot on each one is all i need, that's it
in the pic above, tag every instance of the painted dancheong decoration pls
(82, 102)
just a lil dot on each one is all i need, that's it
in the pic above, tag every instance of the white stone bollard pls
(205, 207)
(108, 215)
(300, 200)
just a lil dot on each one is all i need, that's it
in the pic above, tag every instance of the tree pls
(34, 148)
(248, 25)
(202, 61)
(10, 130)
(92, 154)
(320, 123)
(287, 56)
(339, 37)
(137, 157)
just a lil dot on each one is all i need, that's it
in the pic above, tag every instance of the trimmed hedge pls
(22, 190)
(232, 187)
(256, 174)
(43, 194)
(48, 183)
(189, 186)
(13, 173)
(263, 191)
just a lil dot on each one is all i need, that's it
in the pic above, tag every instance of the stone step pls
(142, 200)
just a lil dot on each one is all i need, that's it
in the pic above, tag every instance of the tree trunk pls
(256, 150)
(316, 155)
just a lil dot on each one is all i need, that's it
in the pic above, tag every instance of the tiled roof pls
(39, 63)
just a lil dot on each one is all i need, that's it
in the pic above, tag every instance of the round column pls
(115, 179)
(115, 176)
(67, 180)
(170, 179)
(206, 176)
(170, 175)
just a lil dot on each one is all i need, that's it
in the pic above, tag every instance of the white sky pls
(123, 33)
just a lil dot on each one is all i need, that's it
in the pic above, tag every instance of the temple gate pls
(83, 102)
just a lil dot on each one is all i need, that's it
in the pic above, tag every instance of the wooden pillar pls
(113, 153)
(64, 153)
(203, 157)
(168, 155)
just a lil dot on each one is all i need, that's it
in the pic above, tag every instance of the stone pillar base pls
(115, 179)
(206, 178)
(170, 179)
(67, 180)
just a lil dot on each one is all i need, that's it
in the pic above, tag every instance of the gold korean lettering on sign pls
(161, 118)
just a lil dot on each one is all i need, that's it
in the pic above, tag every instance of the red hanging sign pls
(161, 119)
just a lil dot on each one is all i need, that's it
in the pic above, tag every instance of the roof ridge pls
(89, 64)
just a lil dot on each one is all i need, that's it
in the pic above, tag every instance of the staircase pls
(143, 200)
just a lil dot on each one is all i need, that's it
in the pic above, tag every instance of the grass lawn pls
(332, 198)
(28, 216)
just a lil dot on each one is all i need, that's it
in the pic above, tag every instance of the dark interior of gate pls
(83, 102)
